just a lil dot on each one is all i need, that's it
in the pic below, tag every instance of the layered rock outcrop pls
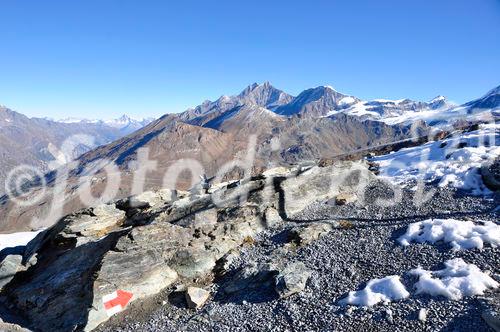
(145, 244)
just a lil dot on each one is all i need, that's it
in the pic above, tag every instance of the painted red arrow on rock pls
(116, 301)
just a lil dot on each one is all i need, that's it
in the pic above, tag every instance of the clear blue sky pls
(102, 58)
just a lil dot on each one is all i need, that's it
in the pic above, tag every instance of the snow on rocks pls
(454, 162)
(378, 290)
(11, 260)
(19, 239)
(460, 234)
(347, 101)
(458, 279)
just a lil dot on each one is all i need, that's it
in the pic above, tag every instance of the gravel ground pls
(341, 261)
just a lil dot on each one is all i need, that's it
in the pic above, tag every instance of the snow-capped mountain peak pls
(325, 101)
(437, 99)
(328, 87)
(125, 123)
(439, 102)
(124, 120)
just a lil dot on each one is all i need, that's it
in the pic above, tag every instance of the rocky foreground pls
(282, 259)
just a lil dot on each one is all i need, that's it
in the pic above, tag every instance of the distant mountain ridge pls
(26, 141)
(315, 102)
(325, 101)
(263, 95)
(318, 123)
(125, 123)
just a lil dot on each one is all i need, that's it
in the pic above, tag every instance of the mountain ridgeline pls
(35, 141)
(318, 123)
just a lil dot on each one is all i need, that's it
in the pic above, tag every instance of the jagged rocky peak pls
(124, 119)
(438, 99)
(439, 102)
(317, 101)
(6, 113)
(264, 95)
(320, 92)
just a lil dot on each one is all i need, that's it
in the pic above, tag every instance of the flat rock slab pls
(196, 297)
(8, 268)
(322, 184)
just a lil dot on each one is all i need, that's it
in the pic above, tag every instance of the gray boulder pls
(251, 277)
(292, 279)
(151, 198)
(303, 235)
(8, 268)
(491, 174)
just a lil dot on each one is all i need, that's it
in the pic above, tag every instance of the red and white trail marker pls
(116, 301)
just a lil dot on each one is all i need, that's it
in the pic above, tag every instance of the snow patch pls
(437, 99)
(378, 290)
(445, 161)
(388, 101)
(359, 109)
(119, 123)
(460, 234)
(75, 120)
(346, 101)
(16, 239)
(456, 280)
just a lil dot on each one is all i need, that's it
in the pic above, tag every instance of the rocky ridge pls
(143, 245)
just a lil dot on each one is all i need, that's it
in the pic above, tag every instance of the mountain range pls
(125, 124)
(325, 101)
(318, 123)
(33, 141)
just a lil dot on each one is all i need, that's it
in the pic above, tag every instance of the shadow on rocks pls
(469, 319)
(281, 237)
(19, 250)
(57, 292)
(178, 299)
(252, 283)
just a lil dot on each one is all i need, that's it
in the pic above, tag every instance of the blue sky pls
(103, 58)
